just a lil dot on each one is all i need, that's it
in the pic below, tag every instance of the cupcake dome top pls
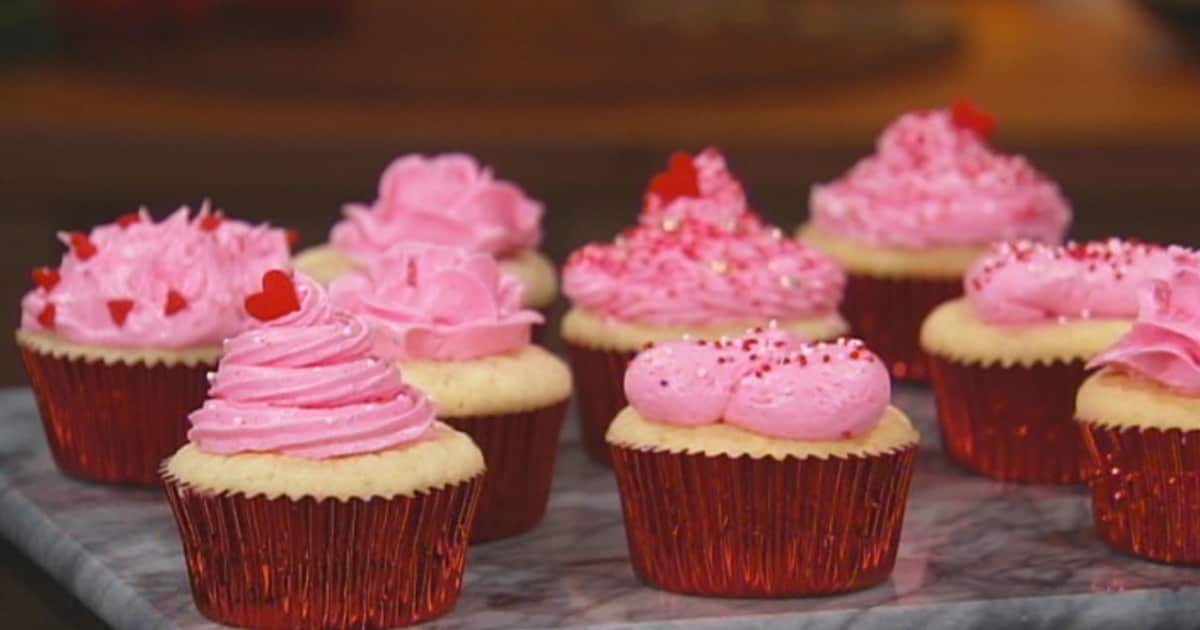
(447, 200)
(137, 283)
(1029, 283)
(934, 180)
(766, 382)
(700, 255)
(1164, 344)
(304, 383)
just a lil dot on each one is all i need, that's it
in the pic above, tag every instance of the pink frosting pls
(434, 302)
(699, 255)
(172, 284)
(1164, 343)
(447, 200)
(305, 385)
(766, 382)
(933, 182)
(1029, 283)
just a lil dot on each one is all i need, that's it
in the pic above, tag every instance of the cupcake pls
(699, 262)
(453, 323)
(907, 222)
(117, 339)
(761, 466)
(1141, 421)
(446, 200)
(1007, 359)
(318, 490)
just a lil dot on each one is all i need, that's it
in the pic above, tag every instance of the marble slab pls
(974, 554)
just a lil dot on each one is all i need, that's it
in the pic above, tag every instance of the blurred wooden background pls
(580, 102)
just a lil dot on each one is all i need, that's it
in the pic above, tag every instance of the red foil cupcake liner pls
(743, 527)
(519, 450)
(1011, 423)
(600, 389)
(282, 564)
(114, 423)
(887, 314)
(1146, 490)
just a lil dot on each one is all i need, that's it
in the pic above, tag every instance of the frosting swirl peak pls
(305, 384)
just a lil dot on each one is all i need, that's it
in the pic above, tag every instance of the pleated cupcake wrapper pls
(279, 563)
(600, 390)
(744, 527)
(1011, 423)
(519, 450)
(113, 422)
(886, 313)
(1146, 490)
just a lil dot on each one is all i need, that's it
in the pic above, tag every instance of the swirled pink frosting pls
(767, 382)
(1164, 343)
(171, 284)
(934, 182)
(447, 200)
(699, 255)
(1028, 283)
(305, 384)
(441, 303)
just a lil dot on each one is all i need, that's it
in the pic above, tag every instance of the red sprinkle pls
(81, 245)
(293, 237)
(175, 302)
(212, 221)
(277, 298)
(46, 317)
(679, 180)
(46, 277)
(126, 220)
(967, 115)
(119, 310)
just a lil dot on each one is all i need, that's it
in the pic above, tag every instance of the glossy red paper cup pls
(113, 423)
(599, 377)
(1146, 490)
(290, 564)
(519, 451)
(887, 312)
(1011, 423)
(744, 527)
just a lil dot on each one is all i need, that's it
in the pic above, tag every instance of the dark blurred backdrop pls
(284, 109)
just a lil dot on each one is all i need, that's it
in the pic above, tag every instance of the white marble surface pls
(974, 554)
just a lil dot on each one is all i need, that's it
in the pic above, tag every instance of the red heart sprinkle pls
(293, 237)
(964, 114)
(46, 317)
(126, 220)
(277, 298)
(46, 277)
(81, 245)
(212, 221)
(175, 302)
(119, 310)
(679, 180)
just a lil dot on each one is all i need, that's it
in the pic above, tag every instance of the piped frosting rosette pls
(305, 383)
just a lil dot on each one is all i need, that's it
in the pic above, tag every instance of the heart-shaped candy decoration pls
(119, 310)
(46, 277)
(47, 315)
(679, 180)
(175, 302)
(210, 222)
(126, 220)
(967, 115)
(277, 298)
(81, 245)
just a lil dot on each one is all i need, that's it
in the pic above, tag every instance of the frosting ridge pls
(434, 302)
(1164, 343)
(305, 384)
(139, 283)
(698, 255)
(934, 180)
(767, 382)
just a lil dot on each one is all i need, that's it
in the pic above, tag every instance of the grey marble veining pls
(974, 554)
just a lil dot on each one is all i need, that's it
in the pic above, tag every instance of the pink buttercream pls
(306, 385)
(766, 382)
(1164, 343)
(1028, 283)
(209, 261)
(932, 183)
(433, 302)
(447, 200)
(694, 260)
